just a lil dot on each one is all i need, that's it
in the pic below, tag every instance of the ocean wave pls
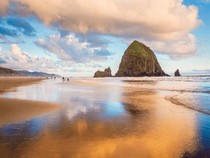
(186, 91)
(176, 101)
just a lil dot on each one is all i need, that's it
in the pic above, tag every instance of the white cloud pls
(168, 19)
(0, 49)
(18, 59)
(183, 47)
(70, 48)
(167, 22)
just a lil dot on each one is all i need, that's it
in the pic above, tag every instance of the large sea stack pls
(139, 60)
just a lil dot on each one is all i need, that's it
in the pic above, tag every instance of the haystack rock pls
(176, 73)
(139, 60)
(106, 73)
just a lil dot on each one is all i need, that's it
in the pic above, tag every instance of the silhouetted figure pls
(63, 79)
(68, 79)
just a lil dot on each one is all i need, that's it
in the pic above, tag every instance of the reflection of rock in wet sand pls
(171, 137)
(148, 126)
(150, 82)
(152, 128)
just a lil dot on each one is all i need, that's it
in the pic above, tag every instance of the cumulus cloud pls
(18, 59)
(168, 22)
(166, 25)
(183, 47)
(148, 18)
(70, 48)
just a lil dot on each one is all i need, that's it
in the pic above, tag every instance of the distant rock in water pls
(139, 60)
(106, 73)
(176, 73)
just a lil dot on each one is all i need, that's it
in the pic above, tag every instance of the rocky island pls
(139, 60)
(177, 73)
(106, 73)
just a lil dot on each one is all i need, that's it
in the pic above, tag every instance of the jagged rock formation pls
(139, 60)
(176, 73)
(106, 73)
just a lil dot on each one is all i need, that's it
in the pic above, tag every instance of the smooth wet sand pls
(107, 118)
(16, 110)
(11, 83)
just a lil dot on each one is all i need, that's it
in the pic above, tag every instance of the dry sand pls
(14, 110)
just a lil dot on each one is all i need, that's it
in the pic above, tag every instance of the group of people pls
(67, 79)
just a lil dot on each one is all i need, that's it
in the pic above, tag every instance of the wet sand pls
(11, 83)
(16, 110)
(112, 118)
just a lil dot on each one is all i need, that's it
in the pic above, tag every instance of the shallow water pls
(114, 117)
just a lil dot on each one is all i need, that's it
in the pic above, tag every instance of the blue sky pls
(77, 38)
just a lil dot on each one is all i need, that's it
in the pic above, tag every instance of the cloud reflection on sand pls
(109, 118)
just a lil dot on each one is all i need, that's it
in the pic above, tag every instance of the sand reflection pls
(106, 121)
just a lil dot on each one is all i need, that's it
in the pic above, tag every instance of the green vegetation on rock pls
(139, 60)
(138, 49)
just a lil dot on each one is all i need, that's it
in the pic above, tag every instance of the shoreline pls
(11, 83)
(16, 110)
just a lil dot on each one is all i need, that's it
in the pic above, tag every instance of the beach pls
(11, 83)
(110, 117)
(18, 110)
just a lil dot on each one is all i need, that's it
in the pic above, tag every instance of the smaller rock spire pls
(176, 73)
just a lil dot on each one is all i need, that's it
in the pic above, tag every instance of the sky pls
(78, 37)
